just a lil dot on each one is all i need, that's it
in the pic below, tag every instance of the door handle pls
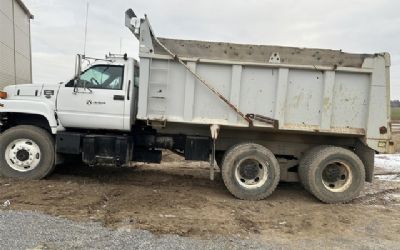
(129, 90)
(119, 97)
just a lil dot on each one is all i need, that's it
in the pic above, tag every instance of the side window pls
(102, 77)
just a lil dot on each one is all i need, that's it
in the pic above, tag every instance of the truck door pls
(96, 100)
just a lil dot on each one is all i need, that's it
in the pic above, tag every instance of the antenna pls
(86, 22)
(120, 45)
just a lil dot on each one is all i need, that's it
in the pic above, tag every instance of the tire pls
(26, 152)
(250, 171)
(305, 161)
(332, 174)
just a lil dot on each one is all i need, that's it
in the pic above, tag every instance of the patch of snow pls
(388, 163)
(389, 177)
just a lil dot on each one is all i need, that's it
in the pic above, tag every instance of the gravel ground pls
(31, 230)
(36, 231)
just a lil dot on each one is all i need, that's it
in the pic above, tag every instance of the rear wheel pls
(250, 171)
(332, 174)
(305, 161)
(26, 152)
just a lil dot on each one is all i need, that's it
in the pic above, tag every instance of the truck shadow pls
(177, 176)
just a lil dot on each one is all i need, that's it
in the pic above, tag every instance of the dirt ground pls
(178, 198)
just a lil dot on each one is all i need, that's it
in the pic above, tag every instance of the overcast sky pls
(358, 26)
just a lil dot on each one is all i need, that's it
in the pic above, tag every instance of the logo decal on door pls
(90, 102)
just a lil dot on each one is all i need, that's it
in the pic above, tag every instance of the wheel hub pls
(23, 155)
(251, 173)
(332, 174)
(337, 176)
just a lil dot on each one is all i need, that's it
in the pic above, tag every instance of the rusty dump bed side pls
(260, 53)
(274, 88)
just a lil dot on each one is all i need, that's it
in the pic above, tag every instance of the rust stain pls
(297, 100)
(317, 128)
(327, 103)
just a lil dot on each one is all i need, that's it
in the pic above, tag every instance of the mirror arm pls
(75, 86)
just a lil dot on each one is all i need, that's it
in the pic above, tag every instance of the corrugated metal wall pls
(15, 45)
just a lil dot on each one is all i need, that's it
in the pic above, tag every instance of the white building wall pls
(15, 44)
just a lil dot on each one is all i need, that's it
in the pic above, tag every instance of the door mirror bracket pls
(75, 90)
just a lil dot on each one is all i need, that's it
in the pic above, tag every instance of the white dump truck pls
(263, 114)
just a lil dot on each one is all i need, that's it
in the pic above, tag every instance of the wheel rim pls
(23, 155)
(251, 173)
(337, 176)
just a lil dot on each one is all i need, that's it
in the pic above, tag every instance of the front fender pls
(31, 107)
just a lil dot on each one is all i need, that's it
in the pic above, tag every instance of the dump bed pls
(279, 88)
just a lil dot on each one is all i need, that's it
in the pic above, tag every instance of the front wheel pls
(26, 152)
(250, 171)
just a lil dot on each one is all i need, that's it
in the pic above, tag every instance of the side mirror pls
(78, 66)
(78, 71)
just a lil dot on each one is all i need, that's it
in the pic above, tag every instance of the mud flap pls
(367, 156)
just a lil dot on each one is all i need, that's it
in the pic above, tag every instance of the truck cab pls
(91, 112)
(102, 96)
